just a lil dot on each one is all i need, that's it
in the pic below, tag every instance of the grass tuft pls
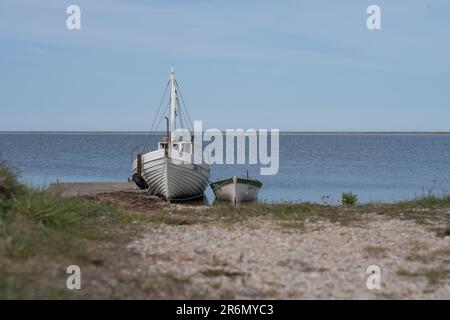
(217, 272)
(349, 199)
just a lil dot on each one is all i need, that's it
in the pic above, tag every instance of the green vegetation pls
(32, 221)
(291, 215)
(9, 187)
(429, 210)
(349, 199)
(433, 275)
(41, 232)
(221, 272)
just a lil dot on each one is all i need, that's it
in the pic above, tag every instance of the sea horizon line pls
(164, 132)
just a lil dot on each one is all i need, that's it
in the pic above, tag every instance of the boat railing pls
(142, 148)
(149, 145)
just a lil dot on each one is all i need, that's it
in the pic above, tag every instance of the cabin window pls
(187, 148)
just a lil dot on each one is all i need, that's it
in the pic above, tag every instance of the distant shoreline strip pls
(281, 132)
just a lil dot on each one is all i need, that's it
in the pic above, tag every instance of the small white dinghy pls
(236, 189)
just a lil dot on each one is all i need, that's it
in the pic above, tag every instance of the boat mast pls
(173, 102)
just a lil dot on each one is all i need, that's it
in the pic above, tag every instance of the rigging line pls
(182, 100)
(157, 125)
(146, 144)
(190, 127)
(160, 104)
(146, 141)
(178, 110)
(162, 115)
(187, 118)
(183, 117)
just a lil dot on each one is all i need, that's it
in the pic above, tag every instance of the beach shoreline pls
(135, 246)
(269, 252)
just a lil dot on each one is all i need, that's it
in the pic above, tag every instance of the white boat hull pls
(236, 192)
(163, 171)
(171, 179)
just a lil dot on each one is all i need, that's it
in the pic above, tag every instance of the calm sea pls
(314, 167)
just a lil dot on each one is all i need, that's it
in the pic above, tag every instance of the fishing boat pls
(236, 189)
(163, 172)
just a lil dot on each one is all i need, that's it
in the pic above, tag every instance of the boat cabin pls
(181, 146)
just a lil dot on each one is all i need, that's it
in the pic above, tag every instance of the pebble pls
(265, 261)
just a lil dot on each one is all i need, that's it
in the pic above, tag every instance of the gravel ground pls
(322, 260)
(261, 258)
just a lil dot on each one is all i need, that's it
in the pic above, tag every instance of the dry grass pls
(375, 251)
(433, 275)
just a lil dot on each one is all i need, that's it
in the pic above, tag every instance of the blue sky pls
(294, 65)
